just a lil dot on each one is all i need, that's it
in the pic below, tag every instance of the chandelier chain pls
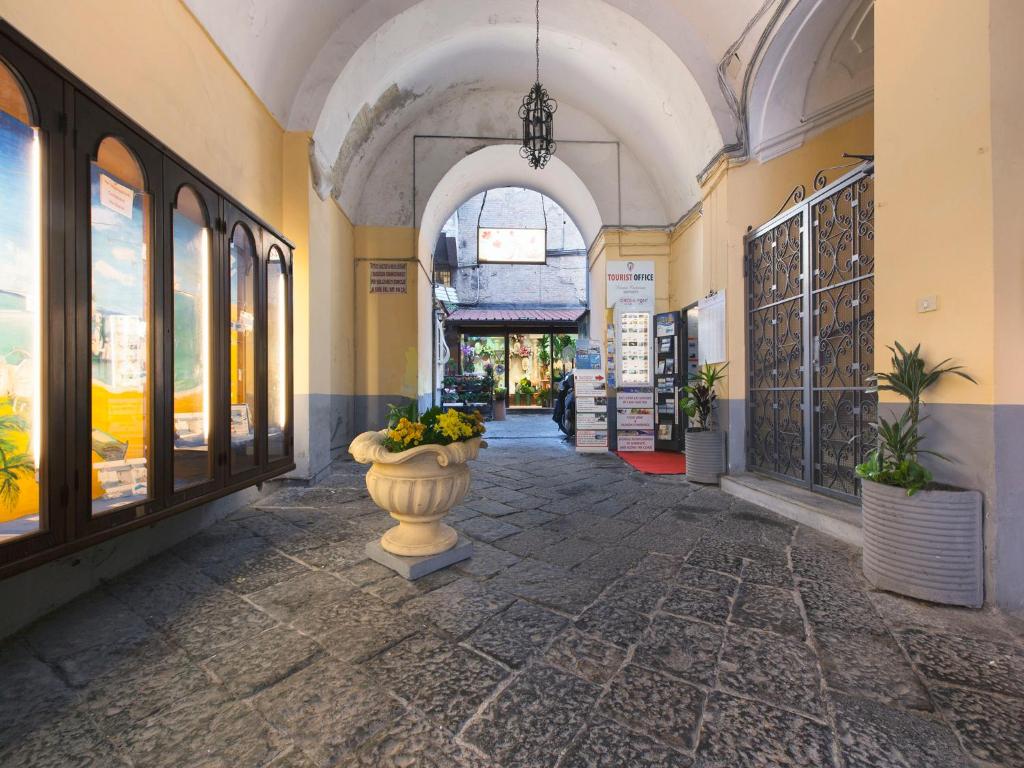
(538, 41)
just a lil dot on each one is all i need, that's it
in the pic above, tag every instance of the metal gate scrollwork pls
(810, 280)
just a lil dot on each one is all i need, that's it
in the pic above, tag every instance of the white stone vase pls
(417, 487)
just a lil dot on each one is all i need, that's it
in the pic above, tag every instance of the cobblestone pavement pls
(608, 618)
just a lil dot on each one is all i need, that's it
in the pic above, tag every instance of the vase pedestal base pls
(413, 568)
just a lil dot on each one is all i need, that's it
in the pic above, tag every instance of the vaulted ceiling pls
(360, 74)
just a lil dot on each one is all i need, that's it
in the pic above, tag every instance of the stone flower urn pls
(417, 487)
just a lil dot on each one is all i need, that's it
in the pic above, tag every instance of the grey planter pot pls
(927, 546)
(705, 458)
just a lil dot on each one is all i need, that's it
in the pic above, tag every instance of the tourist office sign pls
(630, 298)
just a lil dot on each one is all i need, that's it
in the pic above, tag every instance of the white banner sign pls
(630, 286)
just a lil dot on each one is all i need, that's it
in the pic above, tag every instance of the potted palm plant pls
(705, 452)
(921, 538)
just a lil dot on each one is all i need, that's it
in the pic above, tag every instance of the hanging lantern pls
(538, 115)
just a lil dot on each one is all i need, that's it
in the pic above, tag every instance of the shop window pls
(277, 356)
(191, 359)
(119, 331)
(21, 258)
(242, 319)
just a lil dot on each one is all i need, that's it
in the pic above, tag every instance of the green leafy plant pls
(894, 461)
(700, 396)
(14, 464)
(524, 387)
(408, 411)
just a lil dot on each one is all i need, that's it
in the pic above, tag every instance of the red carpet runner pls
(655, 463)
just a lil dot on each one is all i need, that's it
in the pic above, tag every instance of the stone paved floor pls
(608, 619)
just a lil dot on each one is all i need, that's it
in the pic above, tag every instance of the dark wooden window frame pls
(73, 119)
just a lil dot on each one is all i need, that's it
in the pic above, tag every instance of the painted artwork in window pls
(21, 288)
(119, 218)
(277, 362)
(242, 330)
(191, 238)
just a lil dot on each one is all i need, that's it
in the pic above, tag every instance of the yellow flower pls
(407, 433)
(453, 426)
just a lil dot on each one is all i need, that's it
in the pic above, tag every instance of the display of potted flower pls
(921, 538)
(705, 452)
(499, 403)
(419, 472)
(524, 391)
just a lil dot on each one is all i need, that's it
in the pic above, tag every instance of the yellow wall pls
(934, 188)
(153, 61)
(1008, 214)
(707, 246)
(387, 359)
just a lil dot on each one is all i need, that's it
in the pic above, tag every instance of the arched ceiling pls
(360, 73)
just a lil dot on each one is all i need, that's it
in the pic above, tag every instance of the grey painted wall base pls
(413, 568)
(32, 594)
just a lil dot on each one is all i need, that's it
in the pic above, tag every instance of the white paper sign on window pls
(117, 197)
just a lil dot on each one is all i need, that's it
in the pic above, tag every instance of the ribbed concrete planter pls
(417, 487)
(928, 545)
(705, 459)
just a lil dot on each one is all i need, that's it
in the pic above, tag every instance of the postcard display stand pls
(634, 404)
(591, 400)
(666, 382)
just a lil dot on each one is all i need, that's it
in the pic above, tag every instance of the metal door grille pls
(810, 279)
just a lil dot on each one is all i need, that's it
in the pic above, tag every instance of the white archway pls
(498, 165)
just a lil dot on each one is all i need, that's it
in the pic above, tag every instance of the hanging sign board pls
(711, 328)
(388, 277)
(511, 246)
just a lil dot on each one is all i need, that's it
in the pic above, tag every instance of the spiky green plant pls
(14, 464)
(894, 460)
(700, 396)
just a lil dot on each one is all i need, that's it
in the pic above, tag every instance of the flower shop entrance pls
(528, 360)
(810, 274)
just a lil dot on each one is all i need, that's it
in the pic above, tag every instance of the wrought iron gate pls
(811, 335)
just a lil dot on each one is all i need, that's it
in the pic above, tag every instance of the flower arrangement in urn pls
(419, 472)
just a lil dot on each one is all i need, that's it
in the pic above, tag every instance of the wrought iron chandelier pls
(538, 116)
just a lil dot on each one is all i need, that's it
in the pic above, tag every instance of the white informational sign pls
(630, 286)
(711, 329)
(635, 418)
(511, 246)
(116, 197)
(631, 398)
(591, 399)
(388, 277)
(591, 421)
(591, 404)
(635, 441)
(591, 442)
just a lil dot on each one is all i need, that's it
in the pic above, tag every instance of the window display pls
(20, 319)
(145, 344)
(277, 362)
(120, 322)
(242, 327)
(634, 349)
(191, 238)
